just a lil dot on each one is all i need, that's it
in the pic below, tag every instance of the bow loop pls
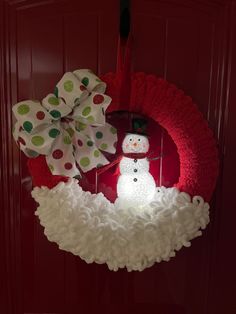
(90, 80)
(71, 90)
(92, 109)
(31, 115)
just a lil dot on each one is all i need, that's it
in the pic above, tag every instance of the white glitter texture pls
(136, 186)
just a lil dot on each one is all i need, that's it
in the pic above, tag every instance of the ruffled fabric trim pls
(90, 226)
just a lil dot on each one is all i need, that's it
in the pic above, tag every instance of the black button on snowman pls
(136, 186)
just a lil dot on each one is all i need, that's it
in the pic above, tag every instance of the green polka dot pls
(67, 140)
(68, 86)
(90, 143)
(28, 126)
(55, 114)
(77, 101)
(86, 111)
(84, 162)
(80, 126)
(31, 153)
(56, 91)
(99, 135)
(96, 153)
(113, 130)
(91, 119)
(23, 109)
(103, 146)
(54, 133)
(70, 131)
(37, 140)
(51, 167)
(53, 101)
(85, 81)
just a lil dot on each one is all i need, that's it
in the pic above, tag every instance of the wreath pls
(67, 133)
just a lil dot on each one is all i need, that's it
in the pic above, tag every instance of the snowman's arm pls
(155, 158)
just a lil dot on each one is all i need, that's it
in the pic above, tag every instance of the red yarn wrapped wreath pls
(177, 114)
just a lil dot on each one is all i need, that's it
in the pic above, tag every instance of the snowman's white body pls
(136, 186)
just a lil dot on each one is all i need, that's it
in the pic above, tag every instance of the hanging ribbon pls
(69, 126)
(124, 71)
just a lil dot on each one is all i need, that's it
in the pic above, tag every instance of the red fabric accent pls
(117, 171)
(123, 74)
(125, 88)
(41, 174)
(176, 112)
(111, 164)
(135, 155)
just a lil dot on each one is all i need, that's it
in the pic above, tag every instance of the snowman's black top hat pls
(139, 127)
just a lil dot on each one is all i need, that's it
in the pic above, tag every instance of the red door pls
(190, 43)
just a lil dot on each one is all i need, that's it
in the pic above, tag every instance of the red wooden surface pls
(190, 43)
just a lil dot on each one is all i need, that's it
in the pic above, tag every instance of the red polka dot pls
(40, 115)
(80, 143)
(21, 141)
(68, 166)
(98, 99)
(57, 154)
(82, 88)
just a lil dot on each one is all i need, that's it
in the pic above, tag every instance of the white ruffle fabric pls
(90, 226)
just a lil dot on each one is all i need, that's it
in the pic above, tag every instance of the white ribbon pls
(69, 126)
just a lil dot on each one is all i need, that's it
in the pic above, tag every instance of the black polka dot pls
(135, 170)
(135, 160)
(135, 179)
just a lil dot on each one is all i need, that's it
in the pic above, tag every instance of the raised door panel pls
(186, 43)
(43, 40)
(222, 288)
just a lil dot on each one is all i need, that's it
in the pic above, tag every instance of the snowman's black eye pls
(130, 139)
(139, 139)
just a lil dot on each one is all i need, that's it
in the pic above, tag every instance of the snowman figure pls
(136, 186)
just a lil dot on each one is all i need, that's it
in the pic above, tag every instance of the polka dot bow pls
(69, 126)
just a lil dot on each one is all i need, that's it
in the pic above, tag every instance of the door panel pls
(191, 44)
(46, 39)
